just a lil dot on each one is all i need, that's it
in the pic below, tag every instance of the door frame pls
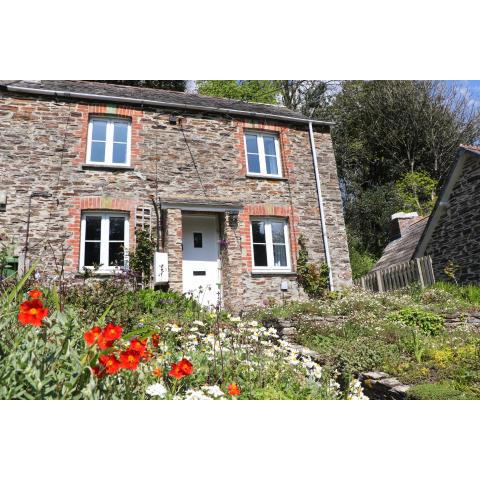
(194, 214)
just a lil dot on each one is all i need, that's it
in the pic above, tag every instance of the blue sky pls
(470, 88)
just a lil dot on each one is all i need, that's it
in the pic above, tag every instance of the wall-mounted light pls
(233, 218)
(172, 119)
(3, 201)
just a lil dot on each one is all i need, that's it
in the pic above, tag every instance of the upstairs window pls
(104, 240)
(108, 141)
(270, 245)
(263, 154)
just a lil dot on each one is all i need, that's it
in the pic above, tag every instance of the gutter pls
(158, 103)
(320, 203)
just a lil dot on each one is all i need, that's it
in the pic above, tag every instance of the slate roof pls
(140, 95)
(402, 249)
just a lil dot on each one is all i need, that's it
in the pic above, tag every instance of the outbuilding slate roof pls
(402, 249)
(141, 95)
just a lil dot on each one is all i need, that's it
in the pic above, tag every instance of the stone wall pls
(457, 234)
(43, 147)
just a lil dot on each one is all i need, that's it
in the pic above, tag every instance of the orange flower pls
(92, 335)
(112, 332)
(155, 339)
(157, 372)
(185, 366)
(35, 294)
(110, 363)
(181, 369)
(129, 359)
(32, 313)
(176, 371)
(138, 346)
(233, 389)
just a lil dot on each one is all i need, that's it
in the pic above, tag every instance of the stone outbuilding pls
(228, 186)
(451, 234)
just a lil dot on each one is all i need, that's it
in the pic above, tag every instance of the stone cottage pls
(451, 234)
(228, 186)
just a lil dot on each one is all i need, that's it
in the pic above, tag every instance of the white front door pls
(201, 264)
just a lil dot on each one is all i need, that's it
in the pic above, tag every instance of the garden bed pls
(427, 340)
(103, 341)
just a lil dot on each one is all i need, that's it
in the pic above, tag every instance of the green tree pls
(367, 216)
(386, 132)
(176, 85)
(262, 91)
(417, 192)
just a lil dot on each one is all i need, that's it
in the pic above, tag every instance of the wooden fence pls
(418, 270)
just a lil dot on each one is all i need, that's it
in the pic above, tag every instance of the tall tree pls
(176, 85)
(263, 91)
(386, 130)
(313, 98)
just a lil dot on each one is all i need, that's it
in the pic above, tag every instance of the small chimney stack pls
(400, 222)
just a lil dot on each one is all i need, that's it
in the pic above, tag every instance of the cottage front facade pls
(227, 187)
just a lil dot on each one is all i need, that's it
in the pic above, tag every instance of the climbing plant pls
(141, 259)
(312, 278)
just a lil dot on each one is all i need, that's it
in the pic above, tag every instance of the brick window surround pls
(266, 210)
(284, 143)
(130, 113)
(84, 204)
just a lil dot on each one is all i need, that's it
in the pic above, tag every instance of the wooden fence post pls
(420, 273)
(379, 281)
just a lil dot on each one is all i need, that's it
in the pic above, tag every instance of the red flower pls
(185, 366)
(103, 343)
(98, 372)
(155, 339)
(92, 335)
(233, 389)
(129, 359)
(181, 369)
(35, 294)
(112, 332)
(176, 371)
(138, 346)
(32, 313)
(110, 362)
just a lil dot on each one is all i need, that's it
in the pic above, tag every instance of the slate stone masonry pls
(43, 146)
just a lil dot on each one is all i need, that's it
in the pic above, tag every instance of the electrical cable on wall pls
(193, 160)
(56, 196)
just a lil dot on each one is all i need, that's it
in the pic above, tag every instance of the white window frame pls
(271, 268)
(104, 239)
(109, 140)
(261, 154)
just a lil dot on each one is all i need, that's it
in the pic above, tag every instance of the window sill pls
(270, 273)
(97, 273)
(266, 177)
(91, 166)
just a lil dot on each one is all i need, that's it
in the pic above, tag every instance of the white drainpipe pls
(320, 203)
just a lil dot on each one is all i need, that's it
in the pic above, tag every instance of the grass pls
(400, 333)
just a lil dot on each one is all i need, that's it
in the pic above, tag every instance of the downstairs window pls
(104, 240)
(270, 245)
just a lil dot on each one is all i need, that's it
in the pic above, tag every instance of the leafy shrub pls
(174, 349)
(314, 279)
(439, 391)
(428, 322)
(141, 259)
(466, 293)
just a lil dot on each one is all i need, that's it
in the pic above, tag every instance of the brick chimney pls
(400, 222)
